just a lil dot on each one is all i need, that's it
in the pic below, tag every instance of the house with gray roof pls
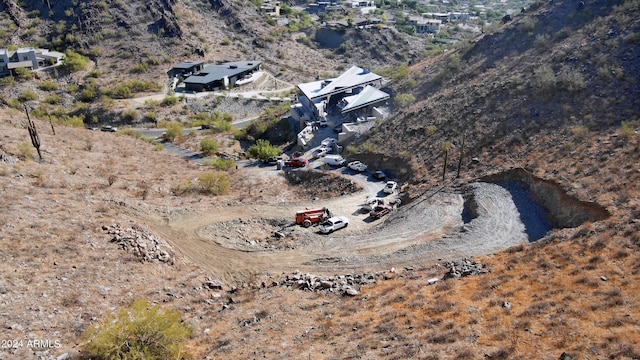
(185, 68)
(221, 76)
(353, 90)
(30, 58)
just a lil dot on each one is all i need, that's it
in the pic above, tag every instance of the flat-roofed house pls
(221, 76)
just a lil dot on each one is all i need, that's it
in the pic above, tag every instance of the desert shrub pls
(89, 94)
(404, 100)
(74, 121)
(23, 73)
(580, 132)
(74, 61)
(169, 101)
(130, 115)
(53, 99)
(140, 68)
(26, 151)
(209, 146)
(13, 103)
(225, 42)
(572, 80)
(529, 24)
(48, 86)
(214, 183)
(220, 164)
(627, 130)
(143, 332)
(8, 80)
(544, 81)
(174, 130)
(262, 149)
(27, 95)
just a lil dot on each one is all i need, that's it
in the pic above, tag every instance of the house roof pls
(212, 73)
(368, 95)
(352, 78)
(187, 64)
(19, 64)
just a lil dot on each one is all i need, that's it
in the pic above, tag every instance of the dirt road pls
(234, 242)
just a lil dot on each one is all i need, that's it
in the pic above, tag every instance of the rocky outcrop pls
(140, 243)
(464, 268)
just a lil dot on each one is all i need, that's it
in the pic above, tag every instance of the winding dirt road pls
(235, 242)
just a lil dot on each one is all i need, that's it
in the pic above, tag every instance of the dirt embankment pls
(564, 211)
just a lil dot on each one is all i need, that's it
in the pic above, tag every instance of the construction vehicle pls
(308, 217)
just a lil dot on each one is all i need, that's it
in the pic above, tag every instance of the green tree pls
(209, 146)
(262, 149)
(143, 332)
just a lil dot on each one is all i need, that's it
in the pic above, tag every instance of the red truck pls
(308, 217)
(296, 162)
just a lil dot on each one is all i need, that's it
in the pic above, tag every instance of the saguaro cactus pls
(33, 133)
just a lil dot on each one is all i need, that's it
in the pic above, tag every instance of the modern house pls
(185, 68)
(271, 8)
(320, 96)
(422, 25)
(221, 76)
(27, 58)
(363, 6)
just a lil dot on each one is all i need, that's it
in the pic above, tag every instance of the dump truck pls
(308, 217)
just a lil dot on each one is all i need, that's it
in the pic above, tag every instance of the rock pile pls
(140, 243)
(463, 268)
(349, 284)
(8, 159)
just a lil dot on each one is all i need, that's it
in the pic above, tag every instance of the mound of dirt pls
(320, 185)
(254, 234)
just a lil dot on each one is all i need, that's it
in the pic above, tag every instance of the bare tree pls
(33, 133)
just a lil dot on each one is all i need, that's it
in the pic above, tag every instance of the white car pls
(328, 142)
(357, 166)
(390, 187)
(333, 224)
(320, 152)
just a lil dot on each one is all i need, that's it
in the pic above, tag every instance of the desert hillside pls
(549, 99)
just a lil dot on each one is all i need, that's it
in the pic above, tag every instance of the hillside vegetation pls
(85, 231)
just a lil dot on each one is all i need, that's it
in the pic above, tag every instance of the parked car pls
(324, 123)
(357, 166)
(320, 152)
(335, 160)
(328, 142)
(93, 128)
(271, 159)
(333, 224)
(296, 162)
(337, 128)
(380, 175)
(109, 128)
(390, 187)
(380, 211)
